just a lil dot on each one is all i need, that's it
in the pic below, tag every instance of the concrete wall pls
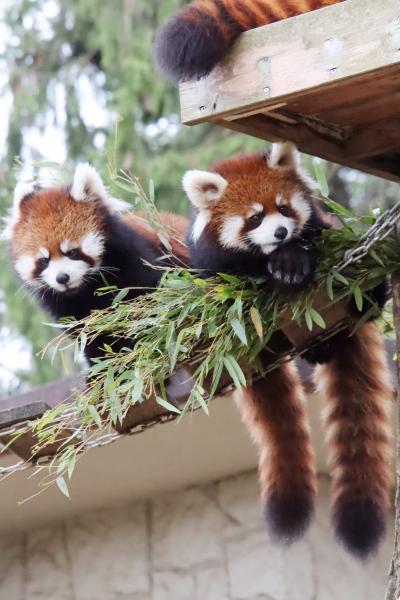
(206, 543)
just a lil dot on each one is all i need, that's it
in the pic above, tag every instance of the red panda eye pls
(43, 262)
(255, 220)
(284, 210)
(73, 254)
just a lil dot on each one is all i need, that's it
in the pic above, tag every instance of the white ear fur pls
(286, 155)
(203, 187)
(22, 190)
(88, 186)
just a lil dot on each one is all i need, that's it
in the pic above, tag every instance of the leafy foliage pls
(221, 328)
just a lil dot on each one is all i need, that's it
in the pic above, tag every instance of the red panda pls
(66, 242)
(192, 43)
(255, 216)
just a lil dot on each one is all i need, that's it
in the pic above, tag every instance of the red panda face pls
(251, 201)
(58, 235)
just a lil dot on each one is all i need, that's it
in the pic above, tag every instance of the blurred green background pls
(77, 82)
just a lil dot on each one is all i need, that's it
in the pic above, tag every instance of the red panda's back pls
(175, 225)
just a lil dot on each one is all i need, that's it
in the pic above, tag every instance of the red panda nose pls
(281, 233)
(62, 278)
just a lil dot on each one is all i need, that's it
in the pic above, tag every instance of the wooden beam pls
(373, 139)
(316, 143)
(321, 48)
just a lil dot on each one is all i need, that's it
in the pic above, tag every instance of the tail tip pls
(360, 527)
(288, 516)
(185, 49)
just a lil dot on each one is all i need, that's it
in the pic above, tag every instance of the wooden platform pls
(328, 81)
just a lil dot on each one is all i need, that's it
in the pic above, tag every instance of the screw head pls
(202, 108)
(267, 90)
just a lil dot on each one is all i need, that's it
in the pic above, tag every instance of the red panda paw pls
(292, 266)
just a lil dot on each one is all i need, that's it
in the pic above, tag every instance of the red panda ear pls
(22, 190)
(203, 187)
(87, 186)
(286, 156)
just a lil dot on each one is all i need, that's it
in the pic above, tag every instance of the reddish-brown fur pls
(43, 225)
(251, 180)
(358, 397)
(176, 226)
(273, 410)
(248, 14)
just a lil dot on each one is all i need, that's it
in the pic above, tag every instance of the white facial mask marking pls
(93, 246)
(230, 234)
(66, 245)
(264, 235)
(25, 267)
(200, 223)
(76, 269)
(255, 209)
(302, 207)
(43, 253)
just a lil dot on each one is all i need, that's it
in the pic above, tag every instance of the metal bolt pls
(267, 90)
(202, 108)
(333, 70)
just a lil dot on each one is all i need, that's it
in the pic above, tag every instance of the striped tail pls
(357, 392)
(273, 410)
(197, 38)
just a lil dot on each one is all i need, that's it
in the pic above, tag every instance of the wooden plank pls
(24, 444)
(318, 49)
(316, 143)
(381, 137)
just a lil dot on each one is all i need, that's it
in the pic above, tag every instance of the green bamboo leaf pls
(329, 287)
(234, 370)
(167, 405)
(341, 278)
(257, 322)
(62, 486)
(339, 209)
(165, 241)
(95, 415)
(122, 294)
(358, 297)
(309, 321)
(317, 318)
(321, 179)
(201, 401)
(216, 377)
(240, 331)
